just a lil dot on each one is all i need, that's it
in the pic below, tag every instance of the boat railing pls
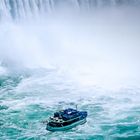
(61, 120)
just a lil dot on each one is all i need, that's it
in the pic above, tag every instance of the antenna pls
(76, 106)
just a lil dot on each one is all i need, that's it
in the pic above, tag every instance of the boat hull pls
(63, 128)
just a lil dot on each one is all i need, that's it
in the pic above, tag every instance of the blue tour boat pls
(66, 119)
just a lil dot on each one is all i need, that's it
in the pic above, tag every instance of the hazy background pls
(92, 45)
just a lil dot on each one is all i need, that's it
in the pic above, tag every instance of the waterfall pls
(14, 9)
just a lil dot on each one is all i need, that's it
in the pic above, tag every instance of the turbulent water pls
(56, 54)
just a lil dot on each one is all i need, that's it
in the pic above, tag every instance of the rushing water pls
(56, 54)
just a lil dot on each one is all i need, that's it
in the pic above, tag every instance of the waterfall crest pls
(15, 9)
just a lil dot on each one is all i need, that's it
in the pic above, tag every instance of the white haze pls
(94, 49)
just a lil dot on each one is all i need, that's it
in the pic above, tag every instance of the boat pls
(66, 119)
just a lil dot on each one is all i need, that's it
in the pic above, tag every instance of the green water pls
(26, 101)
